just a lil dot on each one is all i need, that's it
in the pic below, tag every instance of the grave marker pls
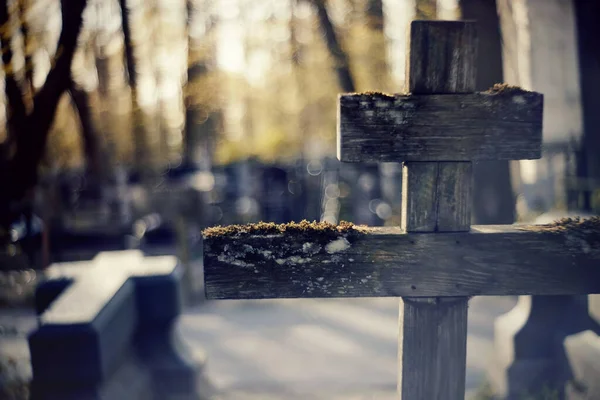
(435, 260)
(106, 331)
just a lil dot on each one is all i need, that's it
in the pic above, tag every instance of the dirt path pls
(318, 349)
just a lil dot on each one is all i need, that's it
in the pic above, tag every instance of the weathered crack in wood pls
(446, 319)
(442, 57)
(436, 196)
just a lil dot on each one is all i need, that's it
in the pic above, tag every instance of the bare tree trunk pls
(16, 110)
(377, 51)
(130, 63)
(340, 57)
(493, 197)
(139, 135)
(91, 143)
(108, 67)
(375, 14)
(196, 69)
(21, 176)
(30, 148)
(24, 6)
(295, 46)
(425, 9)
(201, 120)
(297, 50)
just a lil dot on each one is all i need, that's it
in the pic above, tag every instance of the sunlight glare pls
(230, 49)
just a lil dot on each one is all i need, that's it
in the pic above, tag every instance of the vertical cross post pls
(436, 197)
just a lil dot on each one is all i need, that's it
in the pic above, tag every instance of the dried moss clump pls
(504, 88)
(582, 235)
(587, 226)
(583, 231)
(270, 228)
(372, 94)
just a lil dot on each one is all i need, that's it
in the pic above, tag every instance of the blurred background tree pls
(147, 91)
(121, 102)
(31, 108)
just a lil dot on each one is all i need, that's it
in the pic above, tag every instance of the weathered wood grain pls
(454, 196)
(419, 194)
(489, 260)
(436, 197)
(432, 334)
(442, 57)
(451, 127)
(432, 342)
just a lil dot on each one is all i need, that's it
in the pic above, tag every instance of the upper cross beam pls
(500, 124)
(441, 119)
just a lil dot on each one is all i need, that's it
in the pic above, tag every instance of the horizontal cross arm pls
(449, 127)
(490, 260)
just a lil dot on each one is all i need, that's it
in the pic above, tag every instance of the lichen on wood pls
(270, 228)
(269, 246)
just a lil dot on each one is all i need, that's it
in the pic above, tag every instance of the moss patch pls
(372, 94)
(505, 88)
(583, 235)
(588, 226)
(268, 245)
(270, 228)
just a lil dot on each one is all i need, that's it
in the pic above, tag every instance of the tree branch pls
(342, 64)
(24, 5)
(91, 145)
(375, 14)
(17, 111)
(129, 56)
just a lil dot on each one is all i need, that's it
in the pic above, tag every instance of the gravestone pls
(297, 188)
(534, 35)
(330, 191)
(274, 194)
(582, 352)
(366, 189)
(107, 330)
(532, 340)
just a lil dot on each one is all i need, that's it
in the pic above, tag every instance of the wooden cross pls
(435, 260)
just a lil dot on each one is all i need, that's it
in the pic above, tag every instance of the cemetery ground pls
(291, 349)
(288, 348)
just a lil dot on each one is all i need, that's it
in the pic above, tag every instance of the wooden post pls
(436, 196)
